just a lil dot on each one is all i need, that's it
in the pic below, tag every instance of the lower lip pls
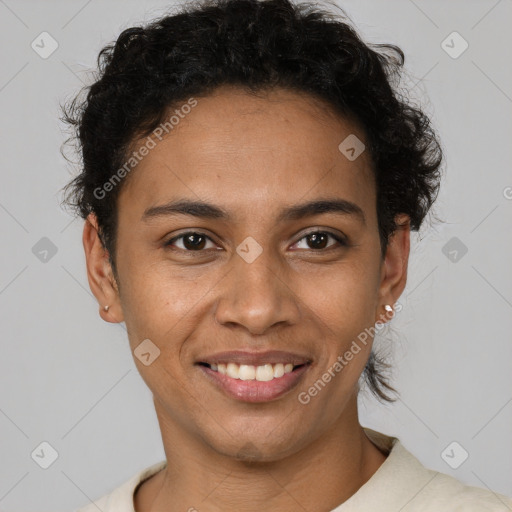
(253, 390)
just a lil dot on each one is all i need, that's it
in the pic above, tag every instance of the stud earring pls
(105, 308)
(387, 307)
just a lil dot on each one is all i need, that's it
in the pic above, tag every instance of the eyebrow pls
(206, 210)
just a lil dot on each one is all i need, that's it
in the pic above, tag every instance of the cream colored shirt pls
(401, 484)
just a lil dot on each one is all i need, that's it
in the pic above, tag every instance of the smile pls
(249, 383)
(261, 373)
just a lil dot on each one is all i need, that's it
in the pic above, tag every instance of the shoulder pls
(445, 492)
(121, 498)
(437, 492)
(403, 483)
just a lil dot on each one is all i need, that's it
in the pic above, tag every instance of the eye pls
(318, 240)
(192, 241)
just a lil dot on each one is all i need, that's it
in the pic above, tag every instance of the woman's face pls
(254, 280)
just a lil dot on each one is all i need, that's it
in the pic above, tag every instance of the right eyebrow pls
(186, 207)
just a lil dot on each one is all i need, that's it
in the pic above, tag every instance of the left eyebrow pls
(322, 206)
(296, 212)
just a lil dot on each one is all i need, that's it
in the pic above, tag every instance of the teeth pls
(246, 372)
(233, 371)
(261, 373)
(279, 370)
(264, 373)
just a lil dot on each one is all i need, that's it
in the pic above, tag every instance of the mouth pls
(247, 372)
(254, 383)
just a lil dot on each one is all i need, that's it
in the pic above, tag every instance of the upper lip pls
(255, 358)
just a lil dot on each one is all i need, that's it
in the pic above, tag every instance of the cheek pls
(345, 298)
(345, 305)
(157, 309)
(346, 314)
(150, 297)
(163, 308)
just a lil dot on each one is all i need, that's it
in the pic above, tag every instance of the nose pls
(257, 296)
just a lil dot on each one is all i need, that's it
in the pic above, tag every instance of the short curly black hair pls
(256, 45)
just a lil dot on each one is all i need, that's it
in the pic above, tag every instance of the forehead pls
(276, 148)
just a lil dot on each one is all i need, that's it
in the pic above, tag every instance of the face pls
(252, 269)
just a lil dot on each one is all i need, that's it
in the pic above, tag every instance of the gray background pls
(68, 378)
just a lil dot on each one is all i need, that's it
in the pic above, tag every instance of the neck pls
(320, 476)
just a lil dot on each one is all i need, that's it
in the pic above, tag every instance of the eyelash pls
(341, 240)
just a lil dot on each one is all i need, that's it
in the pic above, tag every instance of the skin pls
(251, 156)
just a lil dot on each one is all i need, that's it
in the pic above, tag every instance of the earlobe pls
(99, 272)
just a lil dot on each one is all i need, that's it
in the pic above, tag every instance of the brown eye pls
(191, 241)
(318, 240)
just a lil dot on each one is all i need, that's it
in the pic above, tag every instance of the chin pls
(254, 448)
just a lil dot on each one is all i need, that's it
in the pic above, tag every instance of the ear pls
(394, 267)
(99, 272)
